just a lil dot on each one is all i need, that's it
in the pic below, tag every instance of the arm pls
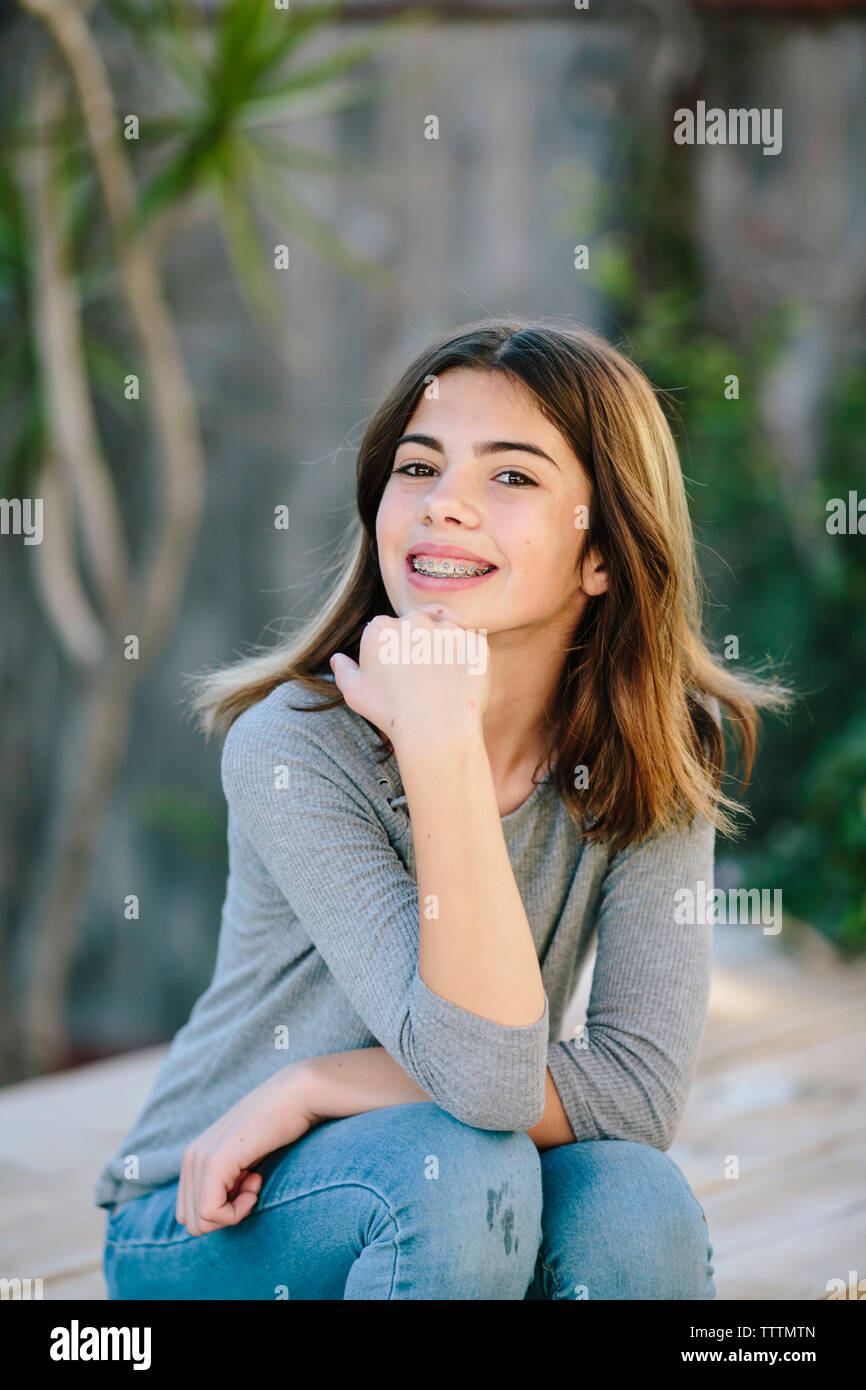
(478, 950)
(312, 825)
(347, 1083)
(218, 1185)
(554, 1127)
(647, 1009)
(645, 1020)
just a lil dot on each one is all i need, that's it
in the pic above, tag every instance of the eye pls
(416, 463)
(527, 482)
(509, 472)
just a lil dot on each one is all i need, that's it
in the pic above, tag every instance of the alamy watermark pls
(749, 906)
(77, 1343)
(846, 518)
(437, 646)
(20, 1289)
(738, 126)
(22, 516)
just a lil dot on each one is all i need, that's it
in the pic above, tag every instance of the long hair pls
(638, 685)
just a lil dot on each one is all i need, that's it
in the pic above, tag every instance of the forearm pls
(349, 1083)
(554, 1127)
(477, 950)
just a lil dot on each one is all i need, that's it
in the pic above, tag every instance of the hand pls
(217, 1186)
(417, 703)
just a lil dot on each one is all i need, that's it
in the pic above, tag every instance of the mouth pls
(460, 570)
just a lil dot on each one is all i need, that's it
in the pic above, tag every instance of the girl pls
(497, 744)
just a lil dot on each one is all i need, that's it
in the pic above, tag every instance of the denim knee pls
(467, 1200)
(621, 1221)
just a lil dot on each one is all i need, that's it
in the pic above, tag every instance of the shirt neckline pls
(533, 796)
(509, 815)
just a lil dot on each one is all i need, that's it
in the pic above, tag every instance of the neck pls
(525, 679)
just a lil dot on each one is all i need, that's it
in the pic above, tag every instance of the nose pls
(452, 496)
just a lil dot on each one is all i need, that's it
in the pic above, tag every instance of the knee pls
(622, 1222)
(422, 1144)
(471, 1197)
(425, 1145)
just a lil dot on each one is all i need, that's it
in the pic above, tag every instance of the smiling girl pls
(372, 1099)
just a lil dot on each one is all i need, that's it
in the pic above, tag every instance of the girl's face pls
(481, 470)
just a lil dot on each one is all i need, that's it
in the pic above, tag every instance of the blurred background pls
(224, 228)
(164, 401)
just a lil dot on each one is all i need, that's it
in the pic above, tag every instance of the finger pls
(246, 1182)
(344, 669)
(229, 1214)
(193, 1199)
(180, 1204)
(246, 1197)
(201, 1227)
(238, 1182)
(215, 1195)
(238, 1203)
(243, 1205)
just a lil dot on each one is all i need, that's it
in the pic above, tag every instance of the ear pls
(594, 577)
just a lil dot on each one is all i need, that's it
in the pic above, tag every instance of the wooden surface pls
(780, 1089)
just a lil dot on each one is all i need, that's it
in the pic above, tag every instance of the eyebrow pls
(486, 446)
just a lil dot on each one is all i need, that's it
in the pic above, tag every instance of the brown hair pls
(635, 702)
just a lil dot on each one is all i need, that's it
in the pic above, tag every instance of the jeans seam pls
(553, 1275)
(257, 1211)
(700, 1206)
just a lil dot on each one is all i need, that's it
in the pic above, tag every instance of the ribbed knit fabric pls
(318, 951)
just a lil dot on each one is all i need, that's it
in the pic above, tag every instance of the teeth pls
(444, 568)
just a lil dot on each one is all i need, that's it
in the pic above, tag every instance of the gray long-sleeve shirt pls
(318, 952)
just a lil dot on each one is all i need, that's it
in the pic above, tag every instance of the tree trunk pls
(104, 723)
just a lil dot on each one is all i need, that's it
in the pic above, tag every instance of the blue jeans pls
(407, 1202)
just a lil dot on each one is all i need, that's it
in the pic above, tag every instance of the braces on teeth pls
(448, 567)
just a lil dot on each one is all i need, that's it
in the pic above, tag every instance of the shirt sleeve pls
(317, 834)
(628, 1076)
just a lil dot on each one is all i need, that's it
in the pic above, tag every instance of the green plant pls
(792, 600)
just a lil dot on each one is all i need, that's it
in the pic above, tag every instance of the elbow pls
(656, 1123)
(487, 1075)
(533, 1111)
(494, 1118)
(651, 1094)
(487, 1110)
(659, 1136)
(667, 1129)
(649, 1130)
(641, 1116)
